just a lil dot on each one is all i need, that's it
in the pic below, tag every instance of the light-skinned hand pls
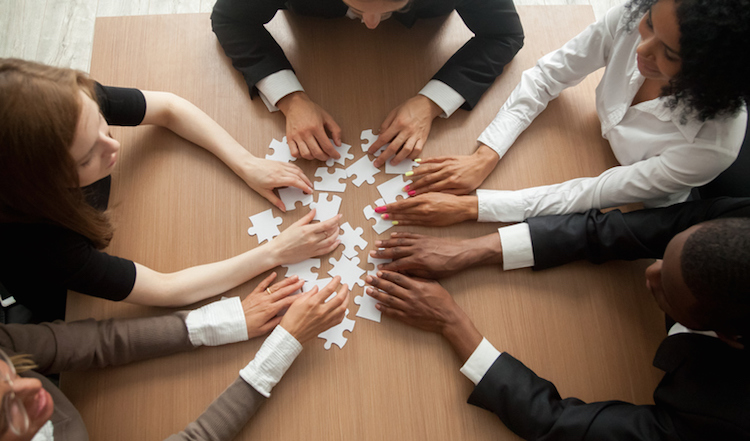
(310, 314)
(261, 308)
(306, 126)
(263, 175)
(304, 239)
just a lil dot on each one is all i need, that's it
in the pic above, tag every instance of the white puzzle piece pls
(352, 238)
(369, 138)
(335, 335)
(320, 283)
(329, 181)
(381, 224)
(265, 226)
(291, 195)
(326, 209)
(375, 262)
(390, 189)
(364, 170)
(343, 151)
(281, 151)
(303, 270)
(348, 269)
(367, 309)
(403, 167)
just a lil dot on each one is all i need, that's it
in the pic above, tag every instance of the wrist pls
(430, 106)
(487, 155)
(462, 335)
(484, 250)
(286, 103)
(470, 207)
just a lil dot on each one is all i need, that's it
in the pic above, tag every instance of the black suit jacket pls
(498, 36)
(704, 395)
(598, 237)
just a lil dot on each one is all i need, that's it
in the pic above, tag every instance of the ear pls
(653, 276)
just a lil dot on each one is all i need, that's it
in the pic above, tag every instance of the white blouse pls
(661, 158)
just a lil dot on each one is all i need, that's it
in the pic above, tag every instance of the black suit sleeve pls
(599, 237)
(532, 408)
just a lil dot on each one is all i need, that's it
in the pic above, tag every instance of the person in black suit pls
(703, 282)
(498, 36)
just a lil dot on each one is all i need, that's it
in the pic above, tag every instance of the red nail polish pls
(385, 216)
(406, 188)
(412, 193)
(381, 209)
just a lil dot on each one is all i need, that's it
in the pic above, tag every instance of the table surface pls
(592, 330)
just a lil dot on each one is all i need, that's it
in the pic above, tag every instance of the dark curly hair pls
(715, 37)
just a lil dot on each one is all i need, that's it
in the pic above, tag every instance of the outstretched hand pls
(263, 175)
(261, 308)
(310, 314)
(306, 126)
(454, 174)
(304, 239)
(431, 209)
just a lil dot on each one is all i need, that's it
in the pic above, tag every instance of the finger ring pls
(268, 290)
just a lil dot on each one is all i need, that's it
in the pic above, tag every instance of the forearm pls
(462, 335)
(484, 250)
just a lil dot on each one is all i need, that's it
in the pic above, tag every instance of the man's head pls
(372, 12)
(703, 281)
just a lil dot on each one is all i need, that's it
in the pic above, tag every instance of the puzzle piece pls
(364, 170)
(343, 151)
(352, 238)
(375, 262)
(326, 209)
(348, 269)
(320, 283)
(291, 195)
(381, 224)
(281, 151)
(330, 181)
(403, 167)
(335, 334)
(390, 189)
(265, 226)
(367, 309)
(370, 138)
(303, 270)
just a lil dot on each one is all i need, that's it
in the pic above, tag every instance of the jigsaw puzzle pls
(291, 195)
(320, 283)
(329, 181)
(364, 170)
(265, 226)
(352, 238)
(303, 270)
(381, 224)
(348, 269)
(326, 209)
(335, 334)
(390, 189)
(367, 309)
(375, 262)
(401, 168)
(370, 138)
(343, 151)
(281, 151)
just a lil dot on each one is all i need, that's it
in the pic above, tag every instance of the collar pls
(407, 18)
(688, 347)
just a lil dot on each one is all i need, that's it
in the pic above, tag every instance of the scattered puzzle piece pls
(326, 209)
(364, 170)
(348, 269)
(352, 238)
(375, 262)
(370, 138)
(303, 270)
(291, 195)
(335, 334)
(343, 151)
(330, 181)
(265, 226)
(381, 224)
(390, 189)
(403, 167)
(281, 151)
(320, 283)
(367, 309)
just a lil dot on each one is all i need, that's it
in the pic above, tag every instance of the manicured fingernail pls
(381, 209)
(412, 193)
(406, 188)
(418, 160)
(385, 216)
(395, 222)
(409, 173)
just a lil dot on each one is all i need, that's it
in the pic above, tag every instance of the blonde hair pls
(23, 363)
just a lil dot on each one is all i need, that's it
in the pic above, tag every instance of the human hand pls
(310, 314)
(306, 125)
(453, 174)
(406, 128)
(263, 175)
(304, 239)
(431, 209)
(433, 257)
(263, 304)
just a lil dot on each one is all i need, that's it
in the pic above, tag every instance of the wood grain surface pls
(592, 330)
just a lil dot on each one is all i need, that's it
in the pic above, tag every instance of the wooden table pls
(592, 330)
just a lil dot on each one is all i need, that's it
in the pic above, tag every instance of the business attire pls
(498, 35)
(82, 345)
(663, 152)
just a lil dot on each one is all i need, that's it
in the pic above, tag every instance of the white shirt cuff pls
(444, 96)
(517, 249)
(217, 323)
(272, 361)
(480, 361)
(501, 133)
(276, 86)
(500, 206)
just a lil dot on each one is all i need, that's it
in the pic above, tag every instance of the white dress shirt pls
(661, 158)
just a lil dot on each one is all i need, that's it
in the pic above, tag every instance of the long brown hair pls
(39, 110)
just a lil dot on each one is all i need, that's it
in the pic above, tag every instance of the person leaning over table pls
(34, 407)
(671, 103)
(56, 161)
(498, 36)
(703, 282)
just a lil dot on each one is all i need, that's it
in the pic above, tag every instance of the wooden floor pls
(61, 32)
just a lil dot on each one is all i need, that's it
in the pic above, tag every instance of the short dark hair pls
(715, 264)
(714, 41)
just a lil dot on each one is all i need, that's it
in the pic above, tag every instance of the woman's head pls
(704, 59)
(43, 113)
(25, 405)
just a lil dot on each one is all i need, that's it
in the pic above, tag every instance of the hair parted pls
(714, 42)
(715, 264)
(39, 111)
